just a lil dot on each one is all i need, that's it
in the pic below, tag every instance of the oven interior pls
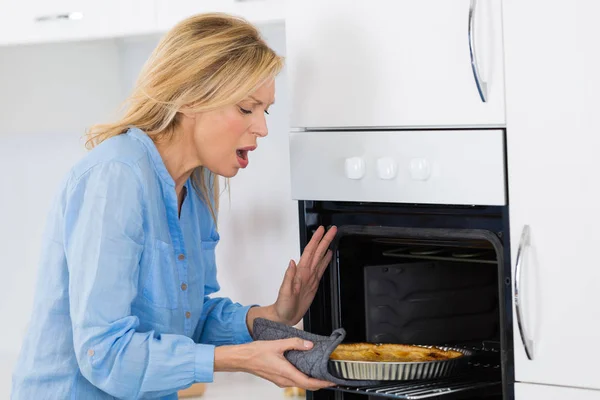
(427, 292)
(426, 286)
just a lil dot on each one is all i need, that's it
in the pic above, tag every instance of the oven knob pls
(355, 167)
(420, 169)
(386, 168)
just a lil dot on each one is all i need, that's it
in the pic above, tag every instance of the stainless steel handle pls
(481, 85)
(523, 244)
(72, 16)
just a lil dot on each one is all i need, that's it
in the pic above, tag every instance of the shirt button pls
(188, 314)
(181, 257)
(91, 353)
(183, 287)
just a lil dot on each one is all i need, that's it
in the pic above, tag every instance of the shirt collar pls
(157, 160)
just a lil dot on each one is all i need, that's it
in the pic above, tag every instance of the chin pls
(230, 173)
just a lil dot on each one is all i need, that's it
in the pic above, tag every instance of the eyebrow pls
(260, 103)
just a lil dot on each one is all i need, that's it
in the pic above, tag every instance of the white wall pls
(49, 95)
(259, 227)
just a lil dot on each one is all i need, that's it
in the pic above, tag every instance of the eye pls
(244, 111)
(266, 112)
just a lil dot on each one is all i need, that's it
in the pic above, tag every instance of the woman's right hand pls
(265, 359)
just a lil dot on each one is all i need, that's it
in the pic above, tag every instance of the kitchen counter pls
(234, 385)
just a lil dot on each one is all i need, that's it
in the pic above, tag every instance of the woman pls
(122, 307)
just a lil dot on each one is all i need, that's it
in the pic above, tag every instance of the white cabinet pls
(36, 21)
(171, 12)
(553, 138)
(526, 391)
(39, 21)
(260, 11)
(395, 63)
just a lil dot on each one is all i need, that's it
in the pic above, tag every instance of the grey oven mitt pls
(312, 362)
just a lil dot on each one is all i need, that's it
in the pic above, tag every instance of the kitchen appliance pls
(422, 253)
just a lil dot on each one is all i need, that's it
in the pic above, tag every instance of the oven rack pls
(416, 390)
(486, 355)
(440, 255)
(485, 373)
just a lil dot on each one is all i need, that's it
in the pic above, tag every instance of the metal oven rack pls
(423, 390)
(483, 375)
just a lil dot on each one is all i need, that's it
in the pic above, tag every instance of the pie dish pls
(396, 362)
(391, 353)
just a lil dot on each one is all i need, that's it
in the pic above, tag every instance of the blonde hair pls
(205, 62)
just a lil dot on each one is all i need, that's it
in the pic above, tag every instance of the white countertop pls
(230, 386)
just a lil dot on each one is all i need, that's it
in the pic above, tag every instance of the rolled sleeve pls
(204, 363)
(223, 323)
(240, 327)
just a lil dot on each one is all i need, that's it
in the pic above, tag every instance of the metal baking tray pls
(401, 371)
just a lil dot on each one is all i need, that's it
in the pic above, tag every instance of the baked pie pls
(391, 353)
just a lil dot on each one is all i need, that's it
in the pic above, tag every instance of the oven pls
(422, 254)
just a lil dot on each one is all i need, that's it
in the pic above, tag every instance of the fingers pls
(316, 247)
(324, 245)
(311, 247)
(314, 384)
(300, 380)
(296, 281)
(269, 362)
(294, 344)
(285, 383)
(323, 265)
(288, 279)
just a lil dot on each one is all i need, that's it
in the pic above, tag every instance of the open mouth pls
(242, 155)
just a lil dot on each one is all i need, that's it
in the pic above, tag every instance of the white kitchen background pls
(55, 84)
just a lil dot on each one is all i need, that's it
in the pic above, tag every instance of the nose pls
(259, 127)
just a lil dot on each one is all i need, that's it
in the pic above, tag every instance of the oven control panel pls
(429, 167)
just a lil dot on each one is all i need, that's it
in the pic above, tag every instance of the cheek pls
(226, 130)
(236, 126)
(218, 134)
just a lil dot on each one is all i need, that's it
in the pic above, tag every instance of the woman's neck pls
(179, 157)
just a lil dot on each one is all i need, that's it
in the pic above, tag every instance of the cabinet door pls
(38, 21)
(553, 138)
(395, 63)
(527, 391)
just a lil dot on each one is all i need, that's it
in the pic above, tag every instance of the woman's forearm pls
(267, 312)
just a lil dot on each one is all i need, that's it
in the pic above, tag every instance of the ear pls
(187, 112)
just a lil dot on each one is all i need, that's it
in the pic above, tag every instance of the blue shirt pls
(122, 307)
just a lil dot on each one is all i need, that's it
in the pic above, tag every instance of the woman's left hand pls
(302, 281)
